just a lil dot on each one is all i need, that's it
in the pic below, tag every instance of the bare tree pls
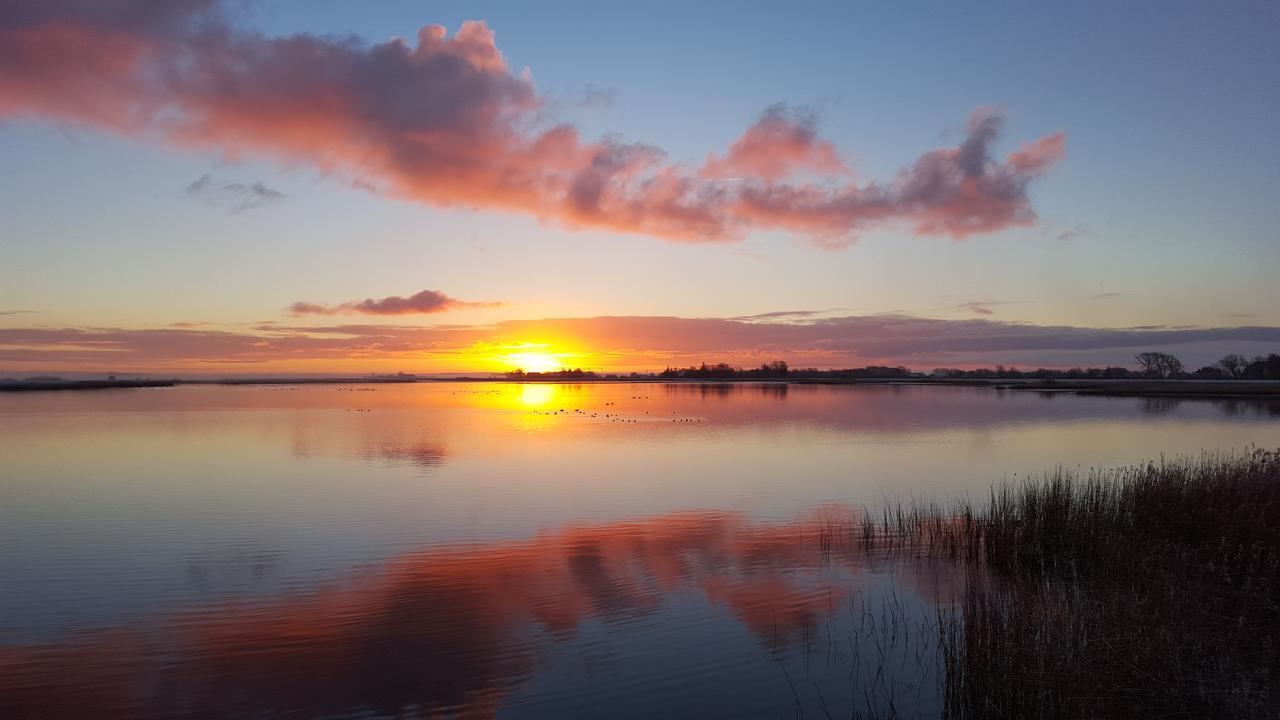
(1149, 362)
(1233, 365)
(1157, 364)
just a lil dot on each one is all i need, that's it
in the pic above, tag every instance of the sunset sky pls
(325, 186)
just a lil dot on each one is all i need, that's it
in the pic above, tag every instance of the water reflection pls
(726, 391)
(424, 455)
(232, 569)
(203, 550)
(1160, 406)
(535, 395)
(464, 629)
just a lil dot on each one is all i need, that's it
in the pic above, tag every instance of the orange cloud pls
(445, 122)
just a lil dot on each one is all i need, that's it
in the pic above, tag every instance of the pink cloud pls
(1036, 157)
(444, 121)
(421, 303)
(780, 143)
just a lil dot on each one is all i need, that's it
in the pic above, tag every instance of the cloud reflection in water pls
(454, 629)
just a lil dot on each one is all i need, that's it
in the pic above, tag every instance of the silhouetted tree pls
(1233, 365)
(777, 368)
(1158, 364)
(1264, 368)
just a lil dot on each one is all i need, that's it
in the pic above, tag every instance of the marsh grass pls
(1151, 591)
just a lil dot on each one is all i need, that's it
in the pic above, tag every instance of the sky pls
(249, 187)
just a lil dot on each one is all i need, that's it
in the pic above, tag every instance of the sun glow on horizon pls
(534, 357)
(533, 361)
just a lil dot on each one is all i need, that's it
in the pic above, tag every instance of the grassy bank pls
(1144, 592)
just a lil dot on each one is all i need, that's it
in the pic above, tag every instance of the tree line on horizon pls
(1150, 365)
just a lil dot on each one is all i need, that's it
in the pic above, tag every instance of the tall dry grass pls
(1145, 592)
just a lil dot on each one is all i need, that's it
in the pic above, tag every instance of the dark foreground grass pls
(1147, 592)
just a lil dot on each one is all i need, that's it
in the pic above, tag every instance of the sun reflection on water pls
(537, 394)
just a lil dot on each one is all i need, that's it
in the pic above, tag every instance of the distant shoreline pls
(1209, 389)
(55, 385)
(1190, 389)
(52, 385)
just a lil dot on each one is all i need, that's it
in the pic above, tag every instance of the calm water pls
(511, 550)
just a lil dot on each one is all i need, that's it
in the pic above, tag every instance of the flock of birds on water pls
(616, 417)
(613, 417)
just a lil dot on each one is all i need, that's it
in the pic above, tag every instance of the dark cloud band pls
(422, 303)
(629, 341)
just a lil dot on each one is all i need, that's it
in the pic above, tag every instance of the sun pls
(531, 357)
(533, 361)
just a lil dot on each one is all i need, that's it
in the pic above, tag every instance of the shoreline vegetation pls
(1155, 370)
(1158, 375)
(1174, 388)
(1150, 591)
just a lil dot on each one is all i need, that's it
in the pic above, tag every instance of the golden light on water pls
(537, 394)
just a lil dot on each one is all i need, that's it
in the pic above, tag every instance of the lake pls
(537, 550)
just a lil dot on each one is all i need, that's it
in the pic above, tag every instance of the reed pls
(1150, 591)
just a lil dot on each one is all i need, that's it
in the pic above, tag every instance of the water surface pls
(518, 550)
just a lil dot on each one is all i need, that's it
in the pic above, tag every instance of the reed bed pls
(1145, 592)
(1150, 591)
